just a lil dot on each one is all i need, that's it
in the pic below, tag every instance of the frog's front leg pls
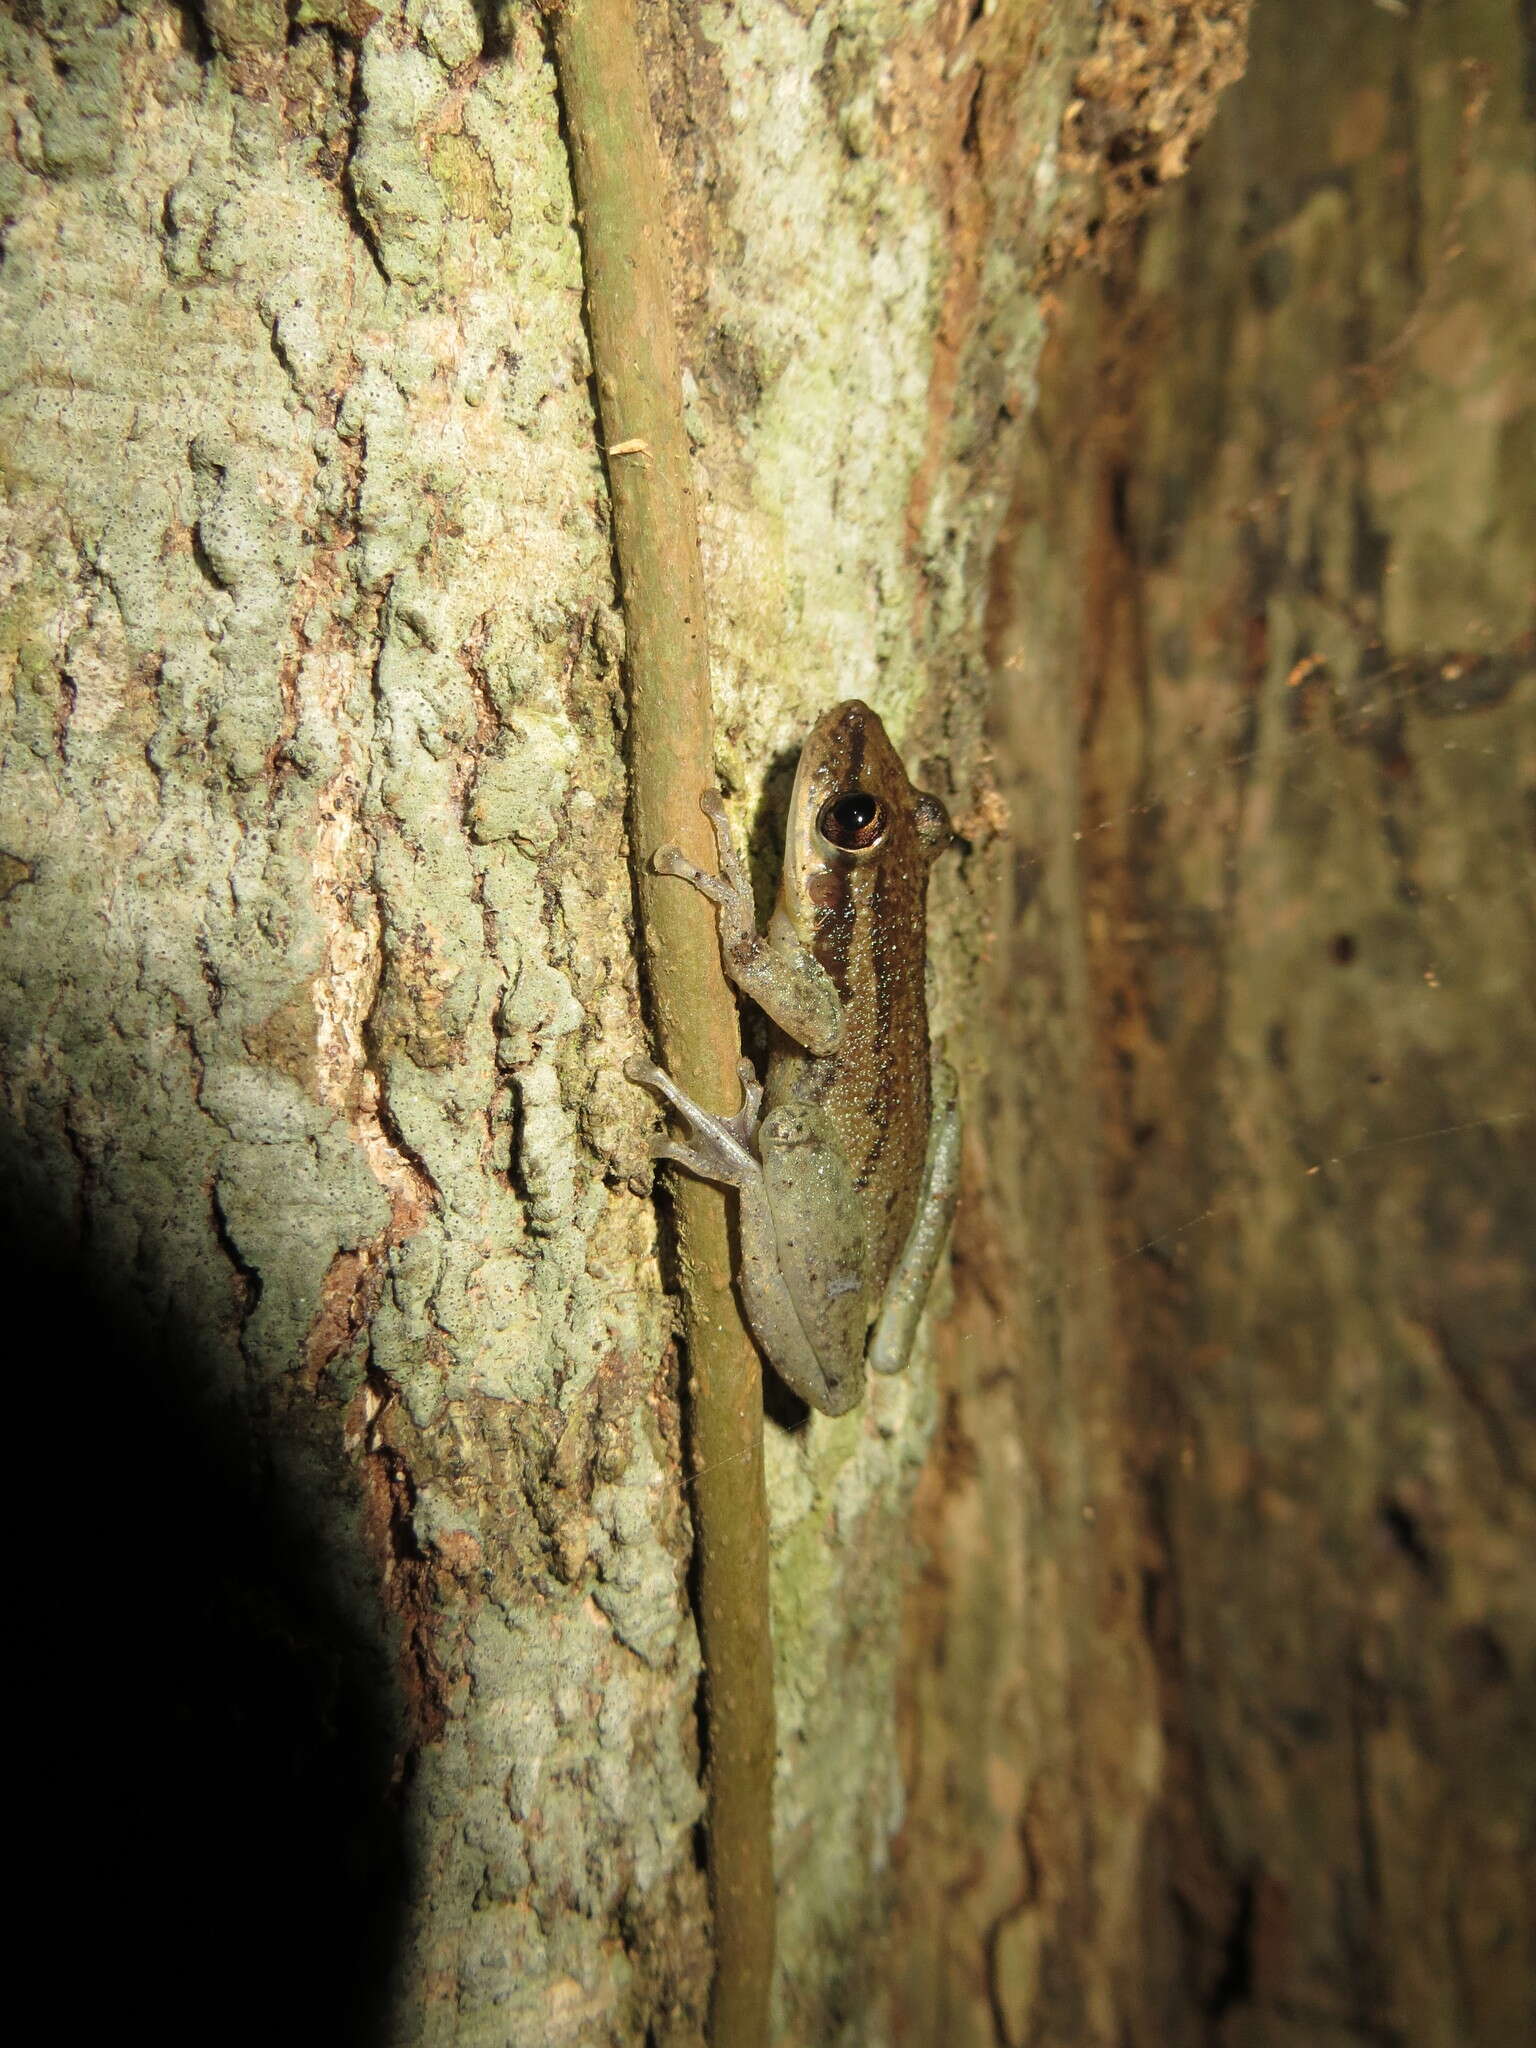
(783, 977)
(802, 1257)
(907, 1289)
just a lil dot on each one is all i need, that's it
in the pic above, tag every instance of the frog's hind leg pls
(723, 1149)
(907, 1289)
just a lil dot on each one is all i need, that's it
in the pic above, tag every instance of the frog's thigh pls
(818, 1235)
(908, 1287)
(774, 1319)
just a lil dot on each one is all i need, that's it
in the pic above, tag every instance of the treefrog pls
(846, 1162)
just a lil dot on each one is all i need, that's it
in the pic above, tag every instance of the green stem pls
(619, 187)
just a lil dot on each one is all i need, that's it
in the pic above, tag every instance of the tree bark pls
(318, 957)
(1280, 527)
(1154, 1660)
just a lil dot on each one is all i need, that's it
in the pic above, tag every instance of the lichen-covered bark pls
(316, 949)
(1289, 451)
(317, 962)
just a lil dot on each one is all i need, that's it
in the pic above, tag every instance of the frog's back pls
(855, 887)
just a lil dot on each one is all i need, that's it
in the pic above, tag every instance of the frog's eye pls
(854, 821)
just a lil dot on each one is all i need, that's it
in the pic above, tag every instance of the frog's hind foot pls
(718, 1148)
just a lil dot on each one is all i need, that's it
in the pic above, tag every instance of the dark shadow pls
(213, 1815)
(765, 856)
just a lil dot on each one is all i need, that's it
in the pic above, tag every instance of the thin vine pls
(619, 192)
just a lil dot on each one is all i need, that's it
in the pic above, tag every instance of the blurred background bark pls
(1275, 546)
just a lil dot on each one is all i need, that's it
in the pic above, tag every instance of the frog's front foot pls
(731, 889)
(782, 976)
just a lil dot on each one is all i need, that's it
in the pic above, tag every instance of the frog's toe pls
(684, 1155)
(744, 1122)
(646, 1074)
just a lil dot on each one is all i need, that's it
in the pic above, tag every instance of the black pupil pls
(853, 820)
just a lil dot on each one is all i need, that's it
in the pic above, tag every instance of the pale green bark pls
(313, 760)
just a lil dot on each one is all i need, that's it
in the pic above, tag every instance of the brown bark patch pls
(1142, 102)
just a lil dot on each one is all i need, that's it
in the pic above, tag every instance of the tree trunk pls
(318, 960)
(1277, 537)
(1153, 1657)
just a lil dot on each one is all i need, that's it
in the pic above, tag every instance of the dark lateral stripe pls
(855, 769)
(879, 1106)
(834, 931)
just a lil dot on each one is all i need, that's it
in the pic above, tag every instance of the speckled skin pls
(847, 1183)
(865, 919)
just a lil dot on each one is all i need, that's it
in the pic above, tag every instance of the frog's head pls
(860, 837)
